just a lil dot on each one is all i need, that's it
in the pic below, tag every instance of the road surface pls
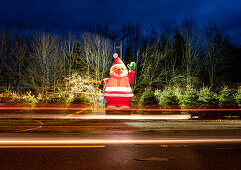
(69, 141)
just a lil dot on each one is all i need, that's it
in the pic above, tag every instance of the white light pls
(114, 141)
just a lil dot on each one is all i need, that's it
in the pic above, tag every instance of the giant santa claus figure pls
(118, 90)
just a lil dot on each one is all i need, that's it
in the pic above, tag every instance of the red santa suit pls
(118, 90)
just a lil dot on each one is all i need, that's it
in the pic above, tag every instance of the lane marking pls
(75, 113)
(40, 126)
(175, 146)
(28, 129)
(45, 146)
(153, 159)
(40, 122)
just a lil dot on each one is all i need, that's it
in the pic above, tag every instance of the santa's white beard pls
(118, 74)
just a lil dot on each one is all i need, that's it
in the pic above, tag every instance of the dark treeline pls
(172, 56)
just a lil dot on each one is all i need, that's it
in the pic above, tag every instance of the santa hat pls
(118, 62)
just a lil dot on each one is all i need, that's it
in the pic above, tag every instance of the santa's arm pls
(132, 67)
(131, 76)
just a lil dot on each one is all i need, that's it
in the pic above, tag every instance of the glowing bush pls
(11, 97)
(43, 98)
(166, 97)
(148, 97)
(136, 98)
(225, 96)
(206, 96)
(80, 98)
(188, 97)
(63, 97)
(84, 85)
(28, 98)
(237, 97)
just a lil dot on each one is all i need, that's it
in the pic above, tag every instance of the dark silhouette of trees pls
(171, 56)
(218, 55)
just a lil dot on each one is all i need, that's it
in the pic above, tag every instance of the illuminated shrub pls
(43, 98)
(148, 97)
(237, 97)
(225, 96)
(11, 97)
(79, 98)
(136, 98)
(166, 97)
(62, 97)
(188, 97)
(84, 89)
(29, 98)
(206, 96)
(65, 97)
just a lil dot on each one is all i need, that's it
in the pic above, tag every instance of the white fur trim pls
(118, 95)
(119, 89)
(118, 65)
(115, 55)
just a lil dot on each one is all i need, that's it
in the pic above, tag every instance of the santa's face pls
(118, 72)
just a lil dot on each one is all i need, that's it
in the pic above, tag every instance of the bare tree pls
(218, 56)
(71, 48)
(19, 60)
(132, 44)
(47, 61)
(151, 70)
(96, 55)
(5, 55)
(191, 51)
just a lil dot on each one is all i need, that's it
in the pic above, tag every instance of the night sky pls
(78, 15)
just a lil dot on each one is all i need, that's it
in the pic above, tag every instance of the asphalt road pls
(125, 156)
(71, 142)
(121, 149)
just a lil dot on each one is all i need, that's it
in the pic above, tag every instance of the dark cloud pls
(78, 14)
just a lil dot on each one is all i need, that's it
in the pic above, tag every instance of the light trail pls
(53, 146)
(134, 117)
(114, 141)
(103, 109)
(97, 117)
